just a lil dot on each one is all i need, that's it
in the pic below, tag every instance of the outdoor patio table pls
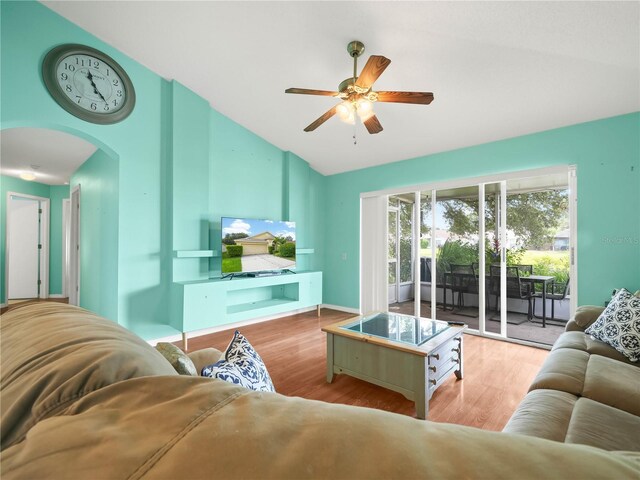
(532, 279)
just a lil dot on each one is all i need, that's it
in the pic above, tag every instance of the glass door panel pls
(492, 257)
(537, 257)
(427, 249)
(457, 262)
(392, 255)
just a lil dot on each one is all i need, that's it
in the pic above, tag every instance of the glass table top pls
(398, 327)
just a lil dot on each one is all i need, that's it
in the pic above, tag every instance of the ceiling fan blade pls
(373, 124)
(423, 98)
(320, 120)
(372, 70)
(307, 91)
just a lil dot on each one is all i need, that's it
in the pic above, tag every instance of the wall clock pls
(88, 84)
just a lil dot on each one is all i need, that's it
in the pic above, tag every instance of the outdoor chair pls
(516, 288)
(463, 280)
(556, 291)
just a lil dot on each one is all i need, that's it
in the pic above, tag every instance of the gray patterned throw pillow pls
(177, 358)
(241, 365)
(619, 325)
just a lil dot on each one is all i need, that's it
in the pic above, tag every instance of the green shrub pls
(234, 250)
(456, 252)
(555, 267)
(288, 250)
(271, 249)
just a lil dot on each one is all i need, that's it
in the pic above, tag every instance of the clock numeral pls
(106, 107)
(119, 93)
(79, 98)
(94, 106)
(108, 72)
(68, 66)
(115, 103)
(96, 63)
(64, 76)
(116, 82)
(67, 88)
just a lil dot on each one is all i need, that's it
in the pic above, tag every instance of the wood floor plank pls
(497, 374)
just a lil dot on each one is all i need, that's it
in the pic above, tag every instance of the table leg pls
(329, 357)
(544, 304)
(422, 386)
(185, 345)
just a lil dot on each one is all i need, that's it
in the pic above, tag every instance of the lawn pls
(231, 264)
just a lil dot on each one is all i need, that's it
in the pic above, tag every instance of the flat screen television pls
(252, 245)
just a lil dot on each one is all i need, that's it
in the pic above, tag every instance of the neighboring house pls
(561, 240)
(257, 244)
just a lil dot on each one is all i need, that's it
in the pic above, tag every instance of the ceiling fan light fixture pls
(344, 110)
(28, 176)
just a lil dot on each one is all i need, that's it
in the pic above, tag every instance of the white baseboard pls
(229, 326)
(341, 309)
(56, 295)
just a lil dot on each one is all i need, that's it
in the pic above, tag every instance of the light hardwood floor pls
(497, 374)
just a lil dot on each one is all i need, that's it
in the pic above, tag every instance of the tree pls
(534, 217)
(230, 238)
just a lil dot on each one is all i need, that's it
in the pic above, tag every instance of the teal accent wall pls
(606, 153)
(56, 194)
(99, 212)
(178, 163)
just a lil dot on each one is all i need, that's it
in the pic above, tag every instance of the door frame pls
(66, 241)
(74, 253)
(45, 206)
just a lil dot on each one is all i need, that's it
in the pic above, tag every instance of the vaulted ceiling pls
(497, 69)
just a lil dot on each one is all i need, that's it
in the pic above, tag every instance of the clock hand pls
(95, 88)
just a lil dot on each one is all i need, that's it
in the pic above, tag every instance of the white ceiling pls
(56, 154)
(497, 69)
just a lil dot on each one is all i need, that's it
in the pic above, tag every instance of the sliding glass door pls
(495, 254)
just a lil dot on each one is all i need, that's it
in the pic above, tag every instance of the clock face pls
(91, 83)
(88, 83)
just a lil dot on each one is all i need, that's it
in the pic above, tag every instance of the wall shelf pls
(195, 253)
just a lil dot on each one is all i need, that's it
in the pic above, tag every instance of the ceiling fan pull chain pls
(355, 129)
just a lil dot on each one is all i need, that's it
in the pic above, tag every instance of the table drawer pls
(444, 357)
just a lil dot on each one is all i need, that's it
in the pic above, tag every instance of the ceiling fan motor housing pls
(355, 48)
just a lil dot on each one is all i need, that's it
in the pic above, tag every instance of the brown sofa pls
(82, 397)
(586, 392)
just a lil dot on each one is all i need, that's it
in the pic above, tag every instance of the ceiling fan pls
(357, 95)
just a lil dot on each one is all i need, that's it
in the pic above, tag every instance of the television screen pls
(251, 245)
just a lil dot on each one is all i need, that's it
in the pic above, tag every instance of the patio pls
(518, 327)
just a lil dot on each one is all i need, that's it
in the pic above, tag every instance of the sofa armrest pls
(585, 316)
(204, 357)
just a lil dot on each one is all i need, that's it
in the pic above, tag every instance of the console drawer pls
(444, 358)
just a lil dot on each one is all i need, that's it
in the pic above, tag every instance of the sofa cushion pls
(613, 383)
(53, 354)
(206, 356)
(581, 341)
(619, 325)
(587, 314)
(242, 365)
(599, 425)
(177, 358)
(210, 429)
(543, 414)
(563, 370)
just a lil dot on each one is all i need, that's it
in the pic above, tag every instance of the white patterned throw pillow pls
(241, 365)
(619, 324)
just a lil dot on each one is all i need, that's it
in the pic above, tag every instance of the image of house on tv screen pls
(250, 245)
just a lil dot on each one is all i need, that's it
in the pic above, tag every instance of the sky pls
(252, 227)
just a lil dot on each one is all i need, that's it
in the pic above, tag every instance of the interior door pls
(23, 262)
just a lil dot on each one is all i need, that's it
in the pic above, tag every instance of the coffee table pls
(406, 354)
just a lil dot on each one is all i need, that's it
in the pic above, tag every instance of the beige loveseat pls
(586, 392)
(82, 397)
